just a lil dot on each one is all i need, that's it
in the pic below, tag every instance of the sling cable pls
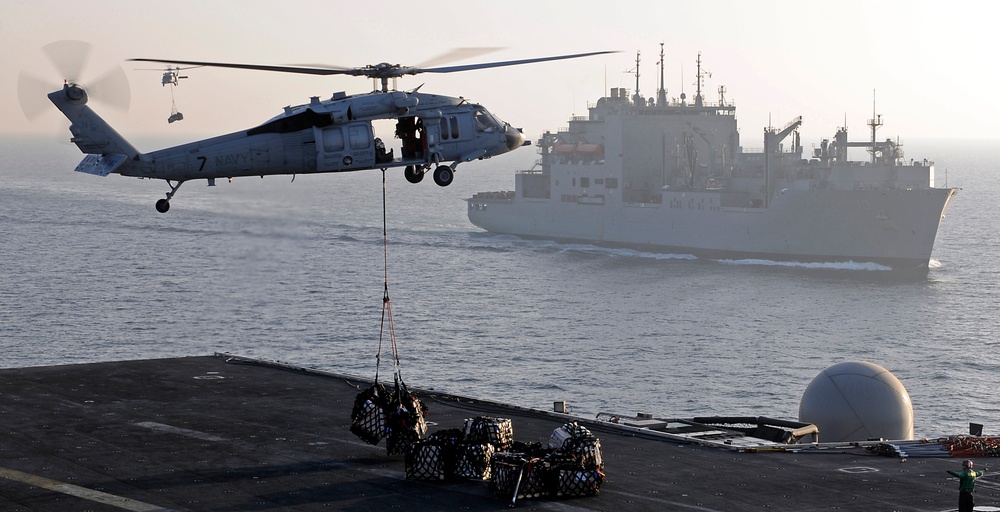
(396, 415)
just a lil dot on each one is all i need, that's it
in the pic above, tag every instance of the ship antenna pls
(637, 97)
(683, 96)
(697, 94)
(875, 122)
(661, 95)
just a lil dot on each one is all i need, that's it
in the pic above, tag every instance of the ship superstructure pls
(673, 176)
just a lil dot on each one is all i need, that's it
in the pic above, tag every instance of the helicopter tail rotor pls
(70, 58)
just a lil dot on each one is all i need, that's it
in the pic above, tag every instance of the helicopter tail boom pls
(107, 151)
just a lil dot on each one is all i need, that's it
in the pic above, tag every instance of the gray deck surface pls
(202, 434)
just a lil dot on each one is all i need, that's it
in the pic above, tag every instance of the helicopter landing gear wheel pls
(413, 174)
(443, 175)
(164, 204)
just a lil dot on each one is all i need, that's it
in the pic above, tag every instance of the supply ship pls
(672, 176)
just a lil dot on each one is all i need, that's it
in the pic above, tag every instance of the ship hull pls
(891, 227)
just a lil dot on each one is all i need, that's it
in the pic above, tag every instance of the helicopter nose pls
(514, 138)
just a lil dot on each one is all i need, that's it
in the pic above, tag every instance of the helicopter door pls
(454, 129)
(342, 148)
(432, 138)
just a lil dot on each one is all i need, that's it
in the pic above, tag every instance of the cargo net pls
(368, 415)
(498, 432)
(395, 415)
(572, 466)
(434, 458)
(405, 420)
(474, 461)
(459, 454)
(398, 416)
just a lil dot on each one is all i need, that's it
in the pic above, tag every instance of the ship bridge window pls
(584, 182)
(611, 183)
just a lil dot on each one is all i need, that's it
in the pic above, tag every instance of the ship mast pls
(697, 95)
(874, 123)
(661, 95)
(636, 98)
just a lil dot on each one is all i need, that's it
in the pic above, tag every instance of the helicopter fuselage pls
(334, 135)
(337, 135)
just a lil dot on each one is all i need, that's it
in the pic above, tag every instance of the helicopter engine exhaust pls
(381, 104)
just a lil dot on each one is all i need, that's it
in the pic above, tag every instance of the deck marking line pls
(675, 504)
(80, 492)
(152, 425)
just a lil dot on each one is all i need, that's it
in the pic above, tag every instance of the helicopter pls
(321, 136)
(172, 76)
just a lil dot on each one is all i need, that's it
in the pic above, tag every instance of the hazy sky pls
(932, 65)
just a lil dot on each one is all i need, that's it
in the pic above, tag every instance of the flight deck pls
(223, 433)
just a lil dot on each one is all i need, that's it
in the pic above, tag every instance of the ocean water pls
(296, 270)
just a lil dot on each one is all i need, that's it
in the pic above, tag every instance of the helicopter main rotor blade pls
(382, 71)
(458, 54)
(469, 67)
(258, 67)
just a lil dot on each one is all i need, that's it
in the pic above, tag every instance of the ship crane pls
(772, 138)
(711, 147)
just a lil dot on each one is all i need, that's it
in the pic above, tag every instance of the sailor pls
(966, 485)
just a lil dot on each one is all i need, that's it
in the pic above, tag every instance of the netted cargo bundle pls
(424, 461)
(575, 481)
(577, 443)
(368, 418)
(485, 429)
(405, 422)
(474, 461)
(505, 469)
(572, 430)
(513, 476)
(516, 476)
(450, 438)
(434, 458)
(586, 451)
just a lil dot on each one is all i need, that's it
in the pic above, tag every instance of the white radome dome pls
(857, 401)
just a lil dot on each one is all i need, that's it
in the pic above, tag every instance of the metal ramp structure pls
(738, 433)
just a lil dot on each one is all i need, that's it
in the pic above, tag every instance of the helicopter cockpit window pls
(485, 122)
